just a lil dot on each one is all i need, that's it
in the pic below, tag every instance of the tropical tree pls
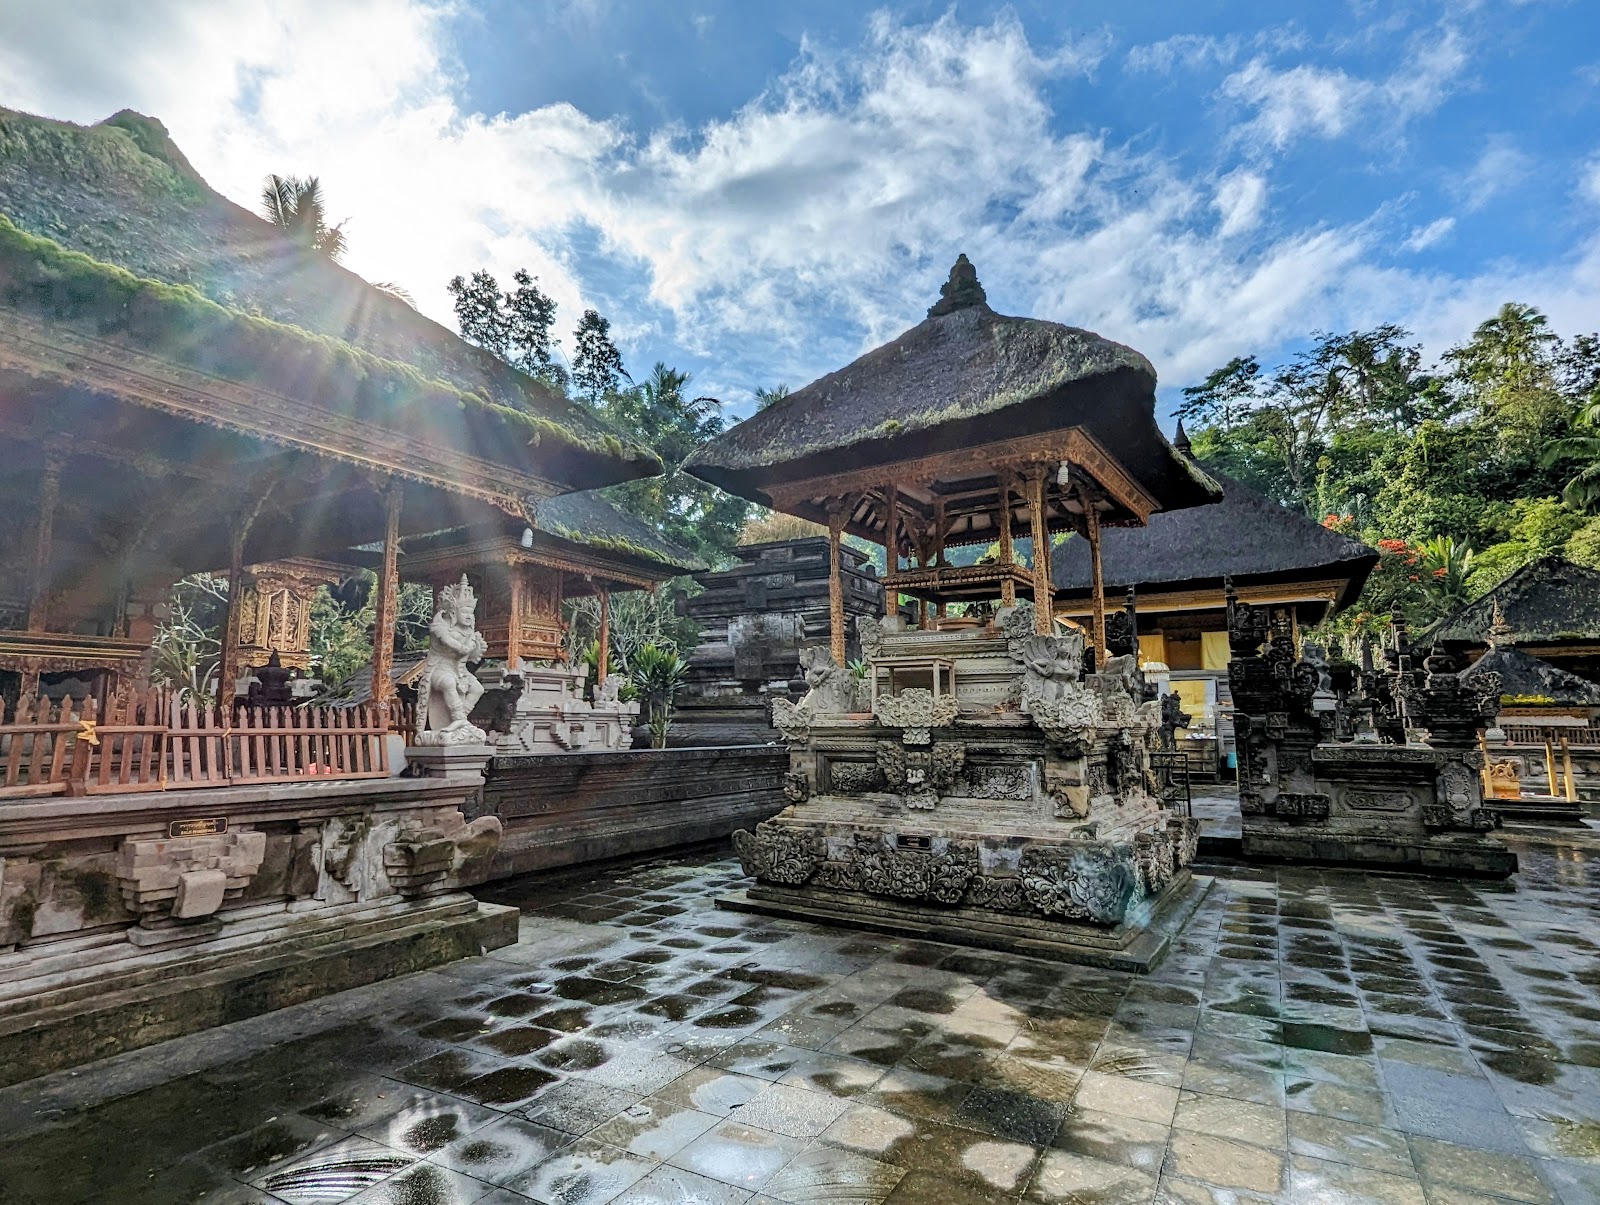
(768, 397)
(1513, 350)
(295, 205)
(515, 325)
(1447, 564)
(656, 674)
(1582, 492)
(597, 369)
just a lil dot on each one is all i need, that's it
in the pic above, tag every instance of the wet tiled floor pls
(1316, 1037)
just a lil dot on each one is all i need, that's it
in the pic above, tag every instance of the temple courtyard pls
(1316, 1036)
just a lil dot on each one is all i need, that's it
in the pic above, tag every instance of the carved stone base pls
(1136, 945)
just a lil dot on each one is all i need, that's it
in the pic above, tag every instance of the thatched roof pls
(167, 267)
(1527, 679)
(1547, 601)
(1246, 536)
(588, 519)
(964, 377)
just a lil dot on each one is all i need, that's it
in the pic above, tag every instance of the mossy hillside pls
(177, 323)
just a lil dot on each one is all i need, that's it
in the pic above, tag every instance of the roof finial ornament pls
(961, 291)
(1181, 440)
(1501, 635)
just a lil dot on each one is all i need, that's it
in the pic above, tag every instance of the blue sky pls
(759, 192)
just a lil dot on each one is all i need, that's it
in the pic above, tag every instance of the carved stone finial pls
(961, 291)
(1501, 635)
(1181, 440)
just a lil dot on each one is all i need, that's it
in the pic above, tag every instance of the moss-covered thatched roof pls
(108, 234)
(1547, 601)
(1245, 536)
(964, 377)
(1526, 678)
(588, 519)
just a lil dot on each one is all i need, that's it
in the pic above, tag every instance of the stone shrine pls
(757, 616)
(1333, 765)
(989, 780)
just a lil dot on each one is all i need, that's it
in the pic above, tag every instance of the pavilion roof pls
(112, 246)
(589, 519)
(1527, 678)
(1246, 536)
(1547, 601)
(964, 377)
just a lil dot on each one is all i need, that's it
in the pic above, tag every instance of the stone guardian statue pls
(447, 690)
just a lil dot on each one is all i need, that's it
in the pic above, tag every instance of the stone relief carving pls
(832, 688)
(1093, 882)
(940, 878)
(796, 787)
(448, 852)
(853, 778)
(779, 853)
(999, 782)
(189, 877)
(916, 712)
(1050, 665)
(447, 690)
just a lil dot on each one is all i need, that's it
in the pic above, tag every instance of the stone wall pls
(755, 619)
(130, 919)
(582, 807)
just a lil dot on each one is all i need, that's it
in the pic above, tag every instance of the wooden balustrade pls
(155, 742)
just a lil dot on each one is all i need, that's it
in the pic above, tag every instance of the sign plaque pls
(913, 841)
(207, 826)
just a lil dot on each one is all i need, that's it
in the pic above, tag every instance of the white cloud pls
(1187, 50)
(1500, 167)
(1330, 103)
(1240, 197)
(779, 241)
(1427, 236)
(1589, 180)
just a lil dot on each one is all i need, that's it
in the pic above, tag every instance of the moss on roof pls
(1547, 601)
(589, 519)
(111, 230)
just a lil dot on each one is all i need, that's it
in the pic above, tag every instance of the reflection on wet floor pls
(1316, 1036)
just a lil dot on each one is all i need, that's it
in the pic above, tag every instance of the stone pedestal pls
(993, 795)
(453, 763)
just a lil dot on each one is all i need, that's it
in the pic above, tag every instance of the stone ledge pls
(1485, 859)
(56, 1033)
(1129, 947)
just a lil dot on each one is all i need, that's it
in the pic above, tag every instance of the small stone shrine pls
(1371, 765)
(756, 617)
(988, 781)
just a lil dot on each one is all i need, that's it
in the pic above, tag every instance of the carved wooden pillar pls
(602, 661)
(891, 545)
(837, 514)
(514, 624)
(1091, 528)
(49, 496)
(1008, 556)
(228, 662)
(1043, 595)
(386, 603)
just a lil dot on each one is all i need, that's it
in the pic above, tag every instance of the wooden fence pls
(1537, 734)
(155, 742)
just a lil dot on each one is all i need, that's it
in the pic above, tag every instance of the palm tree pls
(295, 206)
(1583, 491)
(1447, 564)
(1511, 349)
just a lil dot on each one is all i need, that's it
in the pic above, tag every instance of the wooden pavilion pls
(970, 428)
(183, 389)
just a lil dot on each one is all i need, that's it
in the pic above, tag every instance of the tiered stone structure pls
(1333, 765)
(979, 785)
(757, 617)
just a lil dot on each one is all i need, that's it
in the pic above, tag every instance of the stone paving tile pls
(1312, 1036)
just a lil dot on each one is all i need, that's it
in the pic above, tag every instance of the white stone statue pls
(447, 691)
(1050, 665)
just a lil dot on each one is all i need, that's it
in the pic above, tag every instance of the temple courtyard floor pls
(1315, 1037)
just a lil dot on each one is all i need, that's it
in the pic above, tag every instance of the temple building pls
(989, 782)
(1176, 565)
(182, 388)
(1551, 605)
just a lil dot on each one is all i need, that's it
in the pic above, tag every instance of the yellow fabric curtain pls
(1152, 648)
(1213, 650)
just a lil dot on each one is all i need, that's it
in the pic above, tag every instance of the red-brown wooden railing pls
(155, 742)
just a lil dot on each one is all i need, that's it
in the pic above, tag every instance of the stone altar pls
(1333, 767)
(757, 616)
(550, 714)
(986, 791)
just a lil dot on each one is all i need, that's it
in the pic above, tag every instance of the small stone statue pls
(447, 690)
(1173, 717)
(605, 693)
(273, 687)
(833, 688)
(1050, 664)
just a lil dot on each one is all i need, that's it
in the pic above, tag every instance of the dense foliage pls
(1459, 473)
